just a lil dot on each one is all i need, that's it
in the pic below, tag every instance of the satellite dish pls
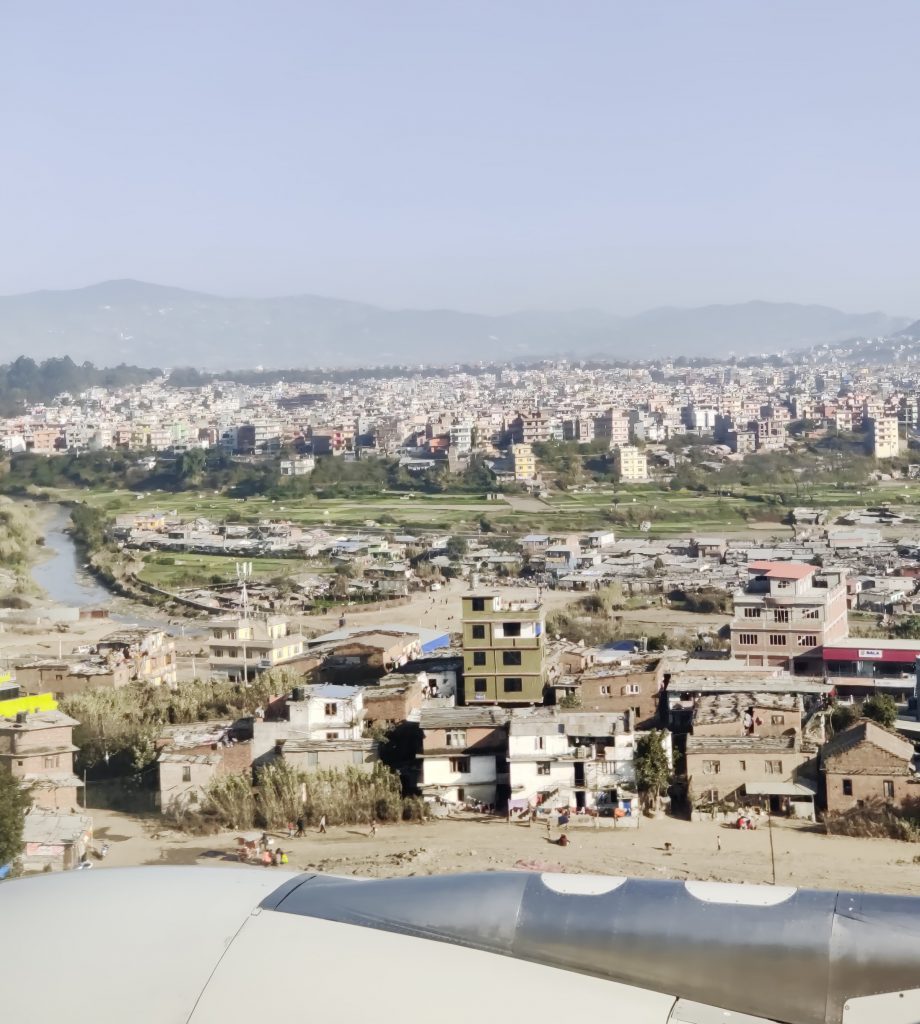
(645, 526)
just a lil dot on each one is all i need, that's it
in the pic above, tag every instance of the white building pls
(303, 465)
(324, 713)
(576, 759)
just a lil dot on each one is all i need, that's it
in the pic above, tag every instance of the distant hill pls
(144, 324)
(910, 331)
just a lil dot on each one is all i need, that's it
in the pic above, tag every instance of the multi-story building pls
(464, 754)
(631, 464)
(785, 614)
(735, 767)
(884, 441)
(502, 650)
(461, 436)
(37, 749)
(525, 465)
(241, 648)
(150, 654)
(577, 759)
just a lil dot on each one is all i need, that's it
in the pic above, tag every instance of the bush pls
(881, 708)
(875, 821)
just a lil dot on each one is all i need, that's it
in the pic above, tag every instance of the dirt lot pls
(804, 856)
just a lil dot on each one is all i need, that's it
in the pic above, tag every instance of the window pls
(539, 742)
(711, 767)
(777, 719)
(782, 584)
(312, 758)
(605, 691)
(747, 639)
(514, 685)
(456, 737)
(52, 761)
(332, 710)
(511, 628)
(542, 767)
(847, 787)
(479, 657)
(811, 613)
(357, 757)
(460, 764)
(186, 773)
(742, 765)
(752, 613)
(478, 604)
(630, 688)
(808, 640)
(781, 615)
(511, 657)
(193, 797)
(888, 789)
(479, 685)
(777, 639)
(479, 632)
(773, 767)
(332, 735)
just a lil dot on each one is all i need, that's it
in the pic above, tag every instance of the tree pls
(907, 628)
(13, 803)
(456, 548)
(881, 708)
(651, 765)
(843, 716)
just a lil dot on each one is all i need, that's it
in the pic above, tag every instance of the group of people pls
(270, 856)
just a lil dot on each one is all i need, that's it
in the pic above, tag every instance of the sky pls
(484, 155)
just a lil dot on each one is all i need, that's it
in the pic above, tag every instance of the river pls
(61, 575)
(60, 571)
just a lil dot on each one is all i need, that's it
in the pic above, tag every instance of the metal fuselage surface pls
(199, 945)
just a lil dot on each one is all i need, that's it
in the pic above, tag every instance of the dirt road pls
(803, 855)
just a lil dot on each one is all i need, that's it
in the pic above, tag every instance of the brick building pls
(719, 767)
(867, 764)
(38, 750)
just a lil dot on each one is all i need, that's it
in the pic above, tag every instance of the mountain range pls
(153, 325)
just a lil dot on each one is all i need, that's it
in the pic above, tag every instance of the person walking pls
(718, 844)
(300, 830)
(322, 824)
(373, 834)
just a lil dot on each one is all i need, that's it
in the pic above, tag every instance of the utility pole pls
(772, 854)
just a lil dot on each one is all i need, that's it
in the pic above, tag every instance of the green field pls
(189, 570)
(622, 509)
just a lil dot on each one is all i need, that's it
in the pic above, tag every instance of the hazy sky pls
(480, 155)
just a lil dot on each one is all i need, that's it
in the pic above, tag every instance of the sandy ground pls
(804, 856)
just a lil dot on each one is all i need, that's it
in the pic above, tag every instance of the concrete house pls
(324, 713)
(502, 650)
(241, 648)
(55, 840)
(573, 759)
(192, 756)
(785, 615)
(867, 764)
(464, 754)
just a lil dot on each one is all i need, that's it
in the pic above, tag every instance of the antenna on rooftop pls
(244, 573)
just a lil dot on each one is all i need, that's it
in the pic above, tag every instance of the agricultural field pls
(170, 571)
(622, 509)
